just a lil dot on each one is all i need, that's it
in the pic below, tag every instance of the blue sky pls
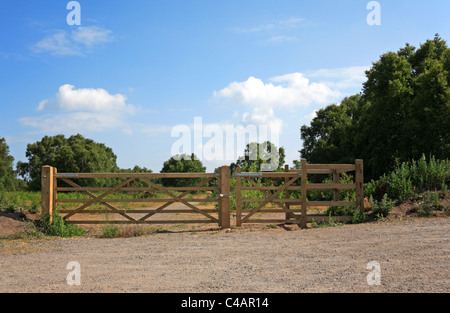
(133, 70)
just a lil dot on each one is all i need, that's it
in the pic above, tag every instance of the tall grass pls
(410, 178)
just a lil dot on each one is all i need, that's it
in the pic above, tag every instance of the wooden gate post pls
(359, 180)
(304, 194)
(238, 197)
(224, 197)
(48, 191)
(288, 216)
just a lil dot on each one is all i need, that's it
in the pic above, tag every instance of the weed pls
(429, 204)
(381, 208)
(109, 231)
(58, 227)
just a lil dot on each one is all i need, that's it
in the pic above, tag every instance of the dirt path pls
(413, 255)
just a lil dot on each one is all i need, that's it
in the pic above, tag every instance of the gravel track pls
(413, 255)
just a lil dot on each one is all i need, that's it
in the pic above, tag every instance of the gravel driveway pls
(413, 256)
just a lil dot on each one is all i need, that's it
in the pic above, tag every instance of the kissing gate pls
(281, 193)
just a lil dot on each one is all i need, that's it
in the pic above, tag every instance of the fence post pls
(224, 197)
(336, 180)
(48, 190)
(238, 198)
(304, 194)
(359, 179)
(287, 195)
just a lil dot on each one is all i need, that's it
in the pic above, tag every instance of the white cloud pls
(277, 32)
(280, 39)
(341, 78)
(57, 44)
(263, 100)
(85, 109)
(264, 116)
(90, 36)
(77, 121)
(291, 22)
(290, 90)
(86, 99)
(77, 42)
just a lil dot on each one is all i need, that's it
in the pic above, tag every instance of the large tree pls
(7, 174)
(402, 113)
(75, 154)
(330, 136)
(407, 112)
(259, 157)
(182, 164)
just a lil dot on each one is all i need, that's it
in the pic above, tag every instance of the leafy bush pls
(381, 208)
(429, 204)
(409, 178)
(58, 227)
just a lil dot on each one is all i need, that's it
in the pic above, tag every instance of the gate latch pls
(225, 195)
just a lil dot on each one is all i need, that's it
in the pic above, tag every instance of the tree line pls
(78, 154)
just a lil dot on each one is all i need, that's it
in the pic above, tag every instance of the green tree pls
(7, 174)
(407, 112)
(182, 164)
(75, 154)
(330, 136)
(258, 157)
(402, 113)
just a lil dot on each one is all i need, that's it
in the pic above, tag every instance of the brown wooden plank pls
(136, 175)
(325, 218)
(331, 203)
(238, 198)
(287, 195)
(88, 222)
(265, 221)
(339, 167)
(136, 200)
(304, 193)
(336, 180)
(224, 197)
(278, 200)
(135, 211)
(47, 190)
(128, 189)
(359, 178)
(270, 174)
(266, 188)
(334, 186)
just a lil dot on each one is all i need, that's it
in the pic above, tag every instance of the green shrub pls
(381, 208)
(110, 231)
(58, 227)
(429, 204)
(409, 178)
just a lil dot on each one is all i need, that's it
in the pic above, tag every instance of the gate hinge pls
(225, 195)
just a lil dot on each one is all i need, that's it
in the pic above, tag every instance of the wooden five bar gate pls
(219, 183)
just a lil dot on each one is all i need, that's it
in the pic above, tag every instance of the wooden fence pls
(285, 205)
(293, 180)
(50, 189)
